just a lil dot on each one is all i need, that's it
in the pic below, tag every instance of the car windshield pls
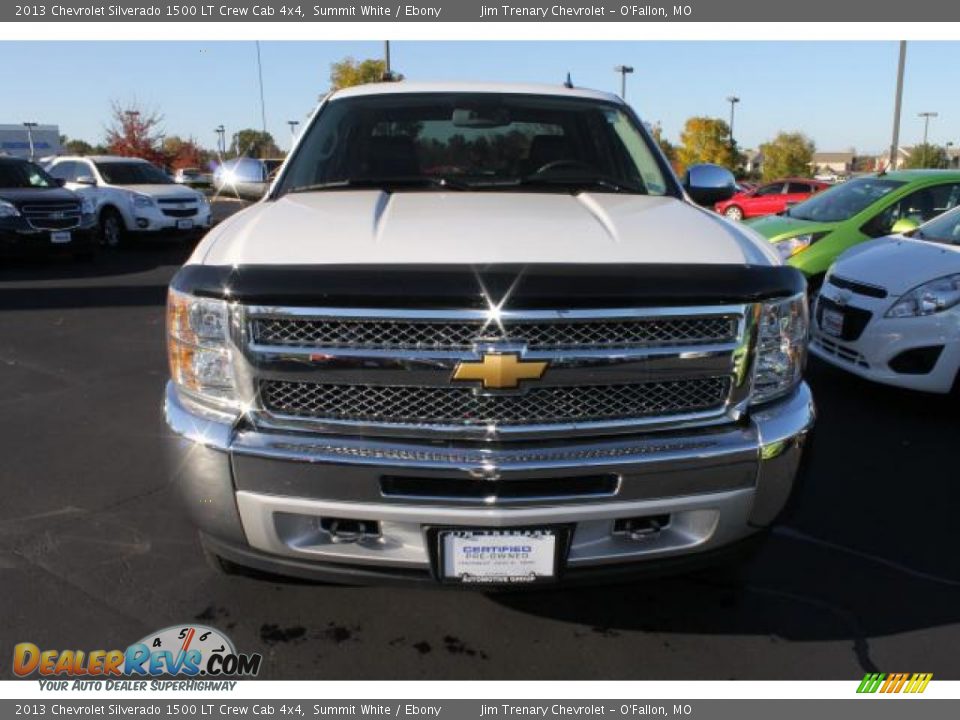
(132, 173)
(24, 175)
(944, 229)
(475, 141)
(842, 202)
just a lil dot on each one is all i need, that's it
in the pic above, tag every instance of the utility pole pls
(926, 129)
(898, 103)
(733, 100)
(30, 126)
(624, 70)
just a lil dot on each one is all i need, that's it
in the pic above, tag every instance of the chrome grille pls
(464, 334)
(52, 216)
(454, 406)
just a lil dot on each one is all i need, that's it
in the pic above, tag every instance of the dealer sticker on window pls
(512, 556)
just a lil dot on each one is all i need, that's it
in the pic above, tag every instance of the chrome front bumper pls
(258, 497)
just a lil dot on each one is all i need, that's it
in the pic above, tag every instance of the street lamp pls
(221, 132)
(624, 70)
(733, 100)
(30, 126)
(926, 128)
(293, 130)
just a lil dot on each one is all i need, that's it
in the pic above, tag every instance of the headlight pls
(140, 200)
(781, 347)
(201, 362)
(791, 246)
(86, 206)
(7, 210)
(927, 299)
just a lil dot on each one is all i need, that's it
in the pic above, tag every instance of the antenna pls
(568, 83)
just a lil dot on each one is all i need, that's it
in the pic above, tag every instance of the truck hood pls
(375, 227)
(898, 263)
(780, 227)
(19, 196)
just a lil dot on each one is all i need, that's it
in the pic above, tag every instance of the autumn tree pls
(706, 140)
(926, 156)
(184, 153)
(349, 72)
(135, 132)
(668, 149)
(787, 155)
(255, 143)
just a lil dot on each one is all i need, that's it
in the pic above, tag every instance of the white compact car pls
(132, 195)
(889, 310)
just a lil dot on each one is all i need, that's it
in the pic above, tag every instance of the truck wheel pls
(112, 231)
(734, 213)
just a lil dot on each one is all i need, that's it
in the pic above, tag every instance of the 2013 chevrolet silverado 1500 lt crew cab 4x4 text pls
(481, 334)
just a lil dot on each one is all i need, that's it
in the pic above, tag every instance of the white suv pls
(132, 195)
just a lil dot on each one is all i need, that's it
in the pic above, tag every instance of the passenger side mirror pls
(708, 184)
(60, 182)
(86, 180)
(904, 226)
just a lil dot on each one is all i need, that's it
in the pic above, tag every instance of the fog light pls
(143, 223)
(641, 528)
(349, 530)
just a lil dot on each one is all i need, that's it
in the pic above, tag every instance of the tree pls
(349, 72)
(180, 153)
(255, 143)
(787, 155)
(926, 156)
(668, 149)
(76, 146)
(706, 140)
(135, 132)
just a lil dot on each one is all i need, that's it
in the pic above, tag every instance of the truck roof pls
(401, 87)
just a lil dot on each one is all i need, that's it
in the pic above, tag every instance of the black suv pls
(38, 215)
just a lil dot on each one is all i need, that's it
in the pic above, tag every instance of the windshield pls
(475, 141)
(24, 175)
(945, 229)
(132, 173)
(842, 202)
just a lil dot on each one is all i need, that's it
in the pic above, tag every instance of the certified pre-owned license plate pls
(184, 224)
(60, 237)
(832, 322)
(498, 556)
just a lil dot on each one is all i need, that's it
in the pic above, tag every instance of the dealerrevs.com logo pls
(191, 651)
(887, 683)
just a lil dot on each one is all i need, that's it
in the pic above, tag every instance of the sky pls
(839, 93)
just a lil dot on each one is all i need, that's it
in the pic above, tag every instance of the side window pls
(920, 206)
(798, 188)
(774, 189)
(84, 169)
(64, 171)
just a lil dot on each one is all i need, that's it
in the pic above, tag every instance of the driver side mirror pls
(904, 226)
(86, 180)
(59, 182)
(709, 184)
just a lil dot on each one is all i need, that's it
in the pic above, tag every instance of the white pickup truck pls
(482, 335)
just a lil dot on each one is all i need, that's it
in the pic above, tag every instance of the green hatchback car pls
(811, 234)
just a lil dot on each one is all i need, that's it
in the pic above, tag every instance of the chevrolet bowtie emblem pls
(499, 371)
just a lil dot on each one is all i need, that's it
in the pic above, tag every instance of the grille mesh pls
(460, 335)
(462, 406)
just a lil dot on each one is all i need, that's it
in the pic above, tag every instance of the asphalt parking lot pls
(95, 552)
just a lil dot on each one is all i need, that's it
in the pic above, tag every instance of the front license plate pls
(832, 322)
(495, 556)
(60, 237)
(184, 224)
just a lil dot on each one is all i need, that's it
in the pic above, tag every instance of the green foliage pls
(787, 155)
(926, 156)
(349, 72)
(706, 140)
(255, 143)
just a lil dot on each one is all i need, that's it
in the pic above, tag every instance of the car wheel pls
(734, 213)
(111, 228)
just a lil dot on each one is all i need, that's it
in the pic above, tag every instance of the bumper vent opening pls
(641, 528)
(350, 530)
(917, 361)
(494, 490)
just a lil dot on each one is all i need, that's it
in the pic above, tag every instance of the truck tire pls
(112, 231)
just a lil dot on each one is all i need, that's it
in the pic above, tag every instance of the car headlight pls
(140, 200)
(791, 246)
(7, 210)
(927, 299)
(781, 347)
(198, 347)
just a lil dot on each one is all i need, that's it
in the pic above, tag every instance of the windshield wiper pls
(383, 184)
(578, 183)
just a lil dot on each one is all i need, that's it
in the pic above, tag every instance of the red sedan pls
(770, 198)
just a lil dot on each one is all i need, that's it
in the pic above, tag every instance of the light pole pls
(386, 58)
(733, 100)
(624, 70)
(30, 126)
(221, 132)
(293, 130)
(898, 102)
(926, 128)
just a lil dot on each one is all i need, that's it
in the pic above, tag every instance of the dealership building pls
(25, 141)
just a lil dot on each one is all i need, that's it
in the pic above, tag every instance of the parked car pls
(770, 198)
(247, 178)
(889, 310)
(811, 235)
(37, 215)
(480, 334)
(193, 177)
(133, 196)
